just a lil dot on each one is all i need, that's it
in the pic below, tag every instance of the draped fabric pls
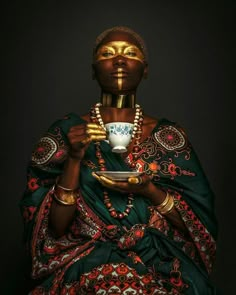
(141, 254)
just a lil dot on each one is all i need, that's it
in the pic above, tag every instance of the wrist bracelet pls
(167, 205)
(64, 188)
(66, 199)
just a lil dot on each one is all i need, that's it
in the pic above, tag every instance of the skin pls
(81, 135)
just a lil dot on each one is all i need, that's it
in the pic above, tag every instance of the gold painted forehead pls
(115, 48)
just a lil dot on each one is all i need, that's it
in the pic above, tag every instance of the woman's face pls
(119, 64)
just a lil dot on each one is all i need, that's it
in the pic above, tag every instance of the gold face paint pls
(115, 48)
(119, 80)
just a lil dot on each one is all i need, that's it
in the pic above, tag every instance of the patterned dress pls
(140, 254)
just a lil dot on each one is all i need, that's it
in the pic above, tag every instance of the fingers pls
(104, 180)
(137, 180)
(96, 131)
(133, 185)
(94, 126)
(85, 133)
(107, 182)
(88, 125)
(86, 140)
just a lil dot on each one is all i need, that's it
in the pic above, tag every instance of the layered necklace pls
(96, 117)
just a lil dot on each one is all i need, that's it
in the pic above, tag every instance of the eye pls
(107, 54)
(131, 53)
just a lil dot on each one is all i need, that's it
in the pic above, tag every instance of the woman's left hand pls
(140, 184)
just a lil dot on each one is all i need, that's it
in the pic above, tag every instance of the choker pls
(136, 136)
(118, 100)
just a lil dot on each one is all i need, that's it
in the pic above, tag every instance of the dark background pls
(47, 72)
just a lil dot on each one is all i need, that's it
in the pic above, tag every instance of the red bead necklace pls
(136, 135)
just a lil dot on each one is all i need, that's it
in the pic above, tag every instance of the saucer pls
(118, 175)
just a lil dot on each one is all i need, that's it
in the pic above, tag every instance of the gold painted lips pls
(119, 74)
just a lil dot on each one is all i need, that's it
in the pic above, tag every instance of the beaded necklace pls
(136, 135)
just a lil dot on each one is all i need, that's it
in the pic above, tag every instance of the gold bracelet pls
(164, 210)
(163, 204)
(66, 198)
(63, 188)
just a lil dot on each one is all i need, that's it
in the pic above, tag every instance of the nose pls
(119, 60)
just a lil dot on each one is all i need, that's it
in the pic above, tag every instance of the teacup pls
(119, 135)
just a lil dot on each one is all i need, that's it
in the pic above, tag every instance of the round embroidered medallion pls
(170, 138)
(44, 150)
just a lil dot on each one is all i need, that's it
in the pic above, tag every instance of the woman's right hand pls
(80, 137)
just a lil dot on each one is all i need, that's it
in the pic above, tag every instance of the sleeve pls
(48, 156)
(179, 171)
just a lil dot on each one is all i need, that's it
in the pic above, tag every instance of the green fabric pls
(156, 249)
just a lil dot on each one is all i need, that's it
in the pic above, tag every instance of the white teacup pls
(119, 135)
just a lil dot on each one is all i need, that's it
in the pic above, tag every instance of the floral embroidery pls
(32, 184)
(130, 238)
(202, 239)
(45, 149)
(119, 278)
(158, 221)
(136, 259)
(170, 138)
(171, 169)
(50, 148)
(152, 158)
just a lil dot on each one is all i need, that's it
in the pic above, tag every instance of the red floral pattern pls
(118, 278)
(32, 184)
(202, 239)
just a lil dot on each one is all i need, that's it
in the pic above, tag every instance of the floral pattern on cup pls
(119, 135)
(120, 129)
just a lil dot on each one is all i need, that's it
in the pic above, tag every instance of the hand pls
(80, 137)
(141, 185)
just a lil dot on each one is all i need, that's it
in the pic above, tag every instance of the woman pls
(87, 234)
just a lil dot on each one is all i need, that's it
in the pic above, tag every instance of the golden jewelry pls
(118, 101)
(67, 199)
(64, 188)
(163, 204)
(135, 180)
(167, 205)
(64, 196)
(116, 48)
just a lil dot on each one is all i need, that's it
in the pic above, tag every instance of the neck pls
(118, 100)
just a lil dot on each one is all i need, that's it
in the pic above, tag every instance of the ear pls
(145, 71)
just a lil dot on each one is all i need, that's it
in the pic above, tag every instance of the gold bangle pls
(67, 199)
(163, 204)
(63, 188)
(164, 210)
